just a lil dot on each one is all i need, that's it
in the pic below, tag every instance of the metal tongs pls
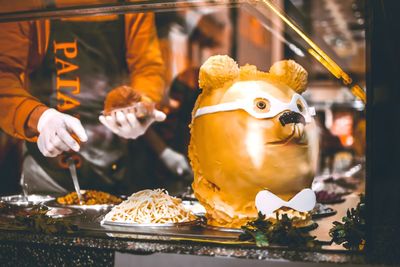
(72, 170)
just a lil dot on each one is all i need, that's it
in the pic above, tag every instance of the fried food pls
(89, 197)
(125, 97)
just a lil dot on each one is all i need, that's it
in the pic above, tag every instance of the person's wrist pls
(44, 118)
(31, 127)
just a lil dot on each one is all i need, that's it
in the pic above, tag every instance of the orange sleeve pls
(143, 56)
(16, 104)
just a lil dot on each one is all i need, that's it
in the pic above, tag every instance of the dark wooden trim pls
(383, 132)
(110, 8)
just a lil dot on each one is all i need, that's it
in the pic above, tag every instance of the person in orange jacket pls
(54, 77)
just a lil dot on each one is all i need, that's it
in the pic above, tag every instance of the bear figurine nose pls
(291, 117)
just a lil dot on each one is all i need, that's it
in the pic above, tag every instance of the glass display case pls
(159, 48)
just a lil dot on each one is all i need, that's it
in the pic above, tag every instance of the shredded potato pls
(150, 206)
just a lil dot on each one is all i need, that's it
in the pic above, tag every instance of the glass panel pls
(115, 52)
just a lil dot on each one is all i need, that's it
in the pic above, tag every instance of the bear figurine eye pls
(300, 106)
(262, 105)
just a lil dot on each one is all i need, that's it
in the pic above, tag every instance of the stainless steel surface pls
(325, 224)
(55, 212)
(223, 229)
(91, 221)
(74, 176)
(91, 207)
(321, 211)
(96, 207)
(29, 200)
(150, 225)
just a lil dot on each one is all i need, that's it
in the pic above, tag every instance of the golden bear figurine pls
(245, 137)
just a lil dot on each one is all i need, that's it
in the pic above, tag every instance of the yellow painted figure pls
(250, 131)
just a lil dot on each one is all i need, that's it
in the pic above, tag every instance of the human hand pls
(175, 162)
(126, 124)
(56, 131)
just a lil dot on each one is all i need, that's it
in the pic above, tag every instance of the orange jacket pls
(23, 45)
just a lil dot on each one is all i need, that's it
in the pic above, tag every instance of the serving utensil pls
(74, 176)
(26, 201)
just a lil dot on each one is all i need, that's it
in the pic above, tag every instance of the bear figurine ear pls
(216, 71)
(290, 73)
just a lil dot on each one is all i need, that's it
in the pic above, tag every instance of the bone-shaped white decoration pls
(267, 202)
